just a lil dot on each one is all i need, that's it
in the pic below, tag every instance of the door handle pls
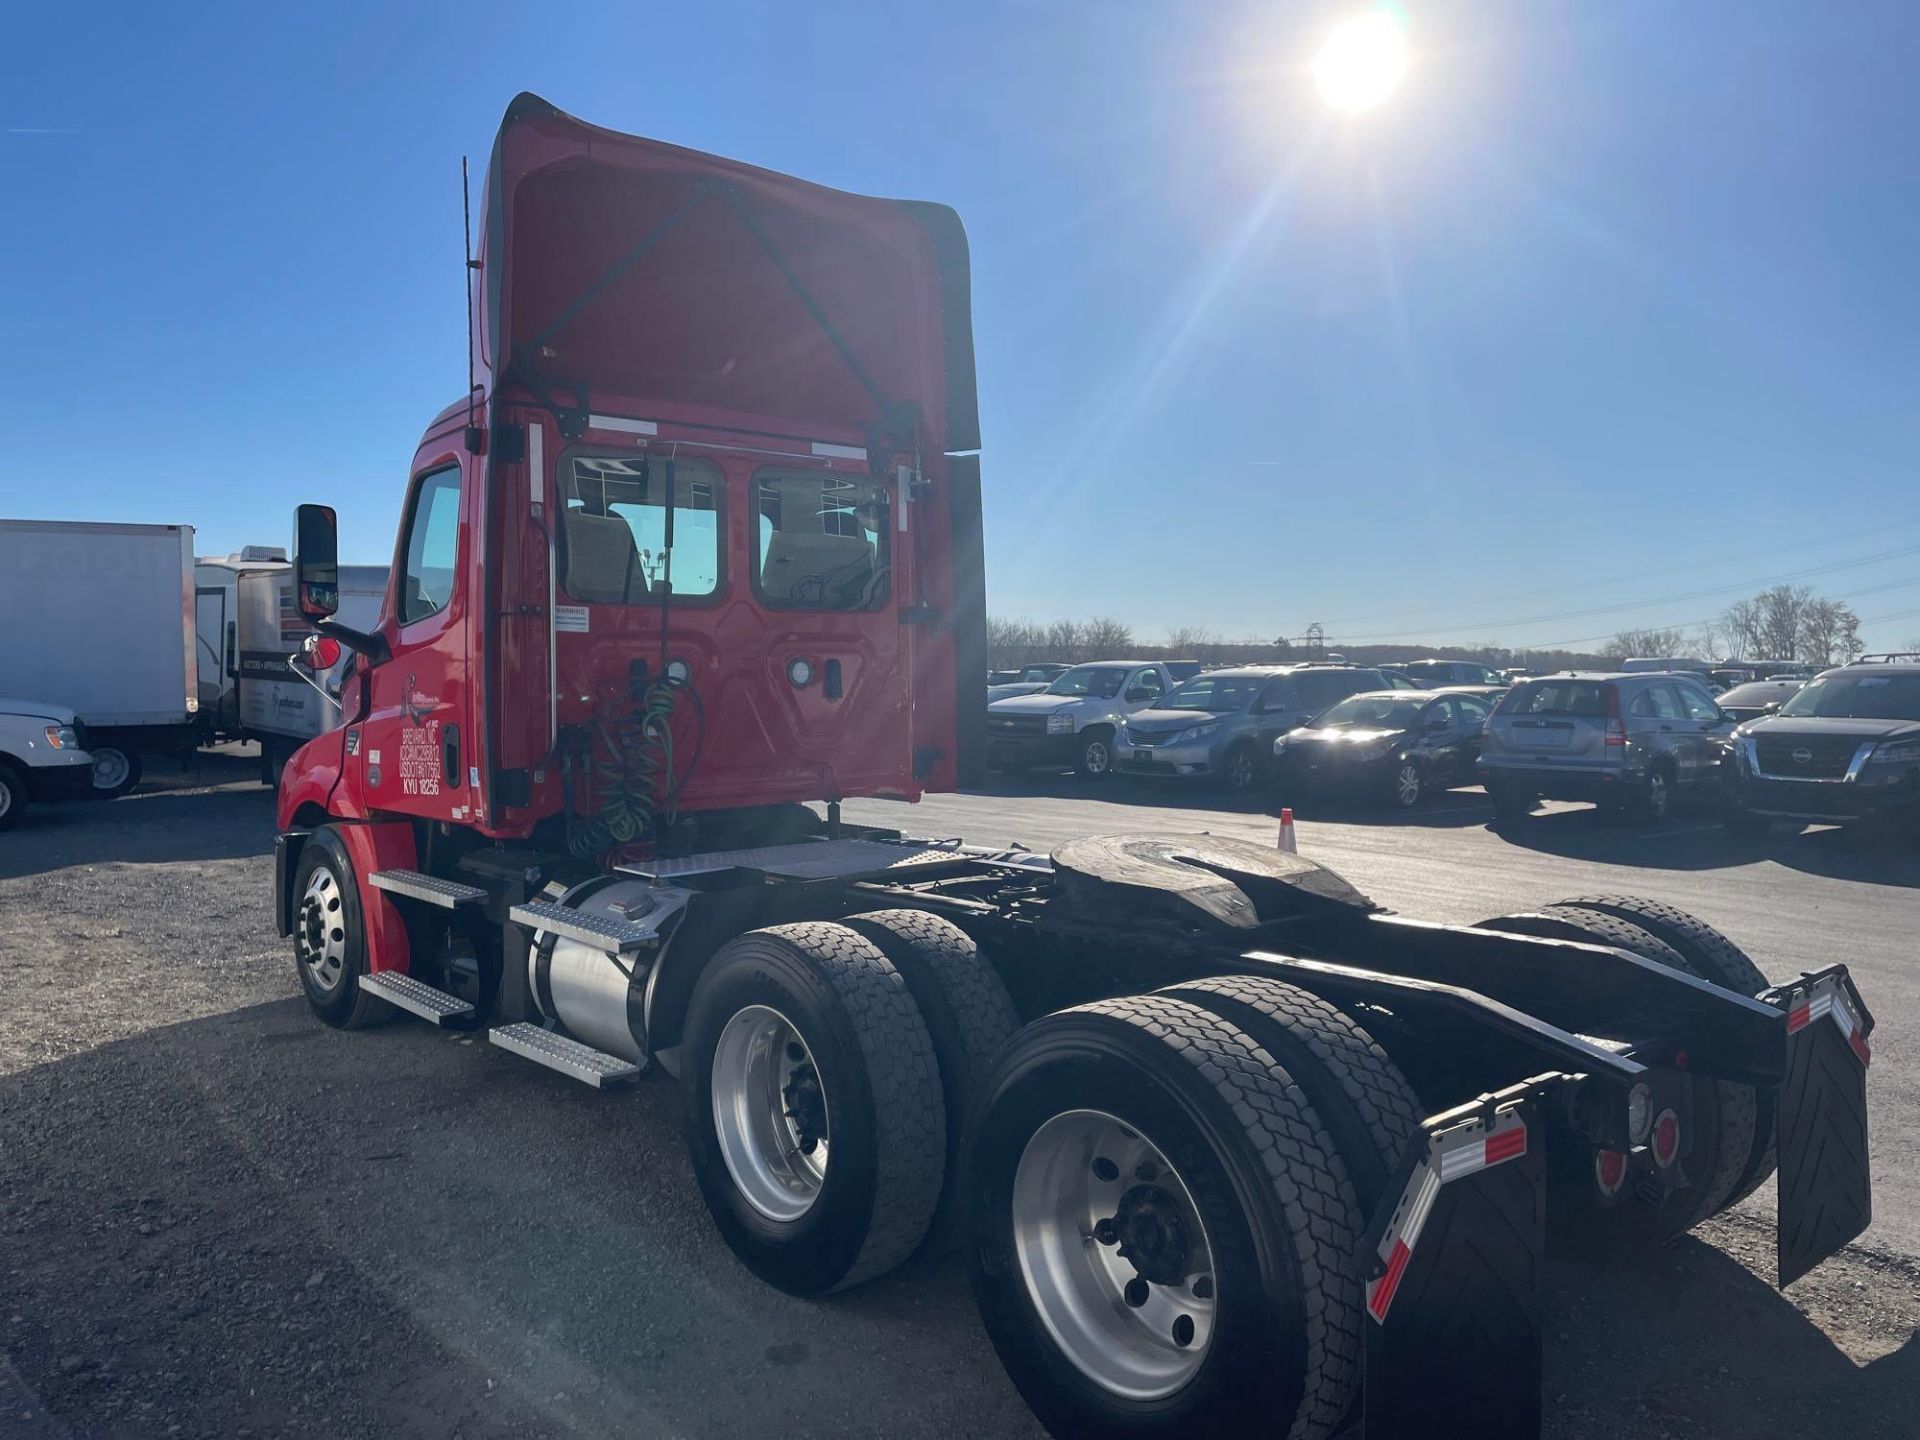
(450, 756)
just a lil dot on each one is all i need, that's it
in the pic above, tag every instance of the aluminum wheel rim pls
(1135, 1339)
(320, 934)
(1657, 795)
(776, 1153)
(110, 769)
(1240, 770)
(1097, 758)
(1406, 784)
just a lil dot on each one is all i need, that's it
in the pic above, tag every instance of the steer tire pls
(1369, 1109)
(335, 928)
(1266, 1183)
(969, 1016)
(1095, 760)
(886, 1122)
(1715, 958)
(1721, 1126)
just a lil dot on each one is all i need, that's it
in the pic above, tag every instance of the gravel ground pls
(218, 1217)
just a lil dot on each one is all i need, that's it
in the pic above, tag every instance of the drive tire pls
(969, 1017)
(116, 770)
(1279, 1221)
(1370, 1111)
(13, 794)
(1095, 761)
(886, 1122)
(1722, 1124)
(1717, 959)
(330, 941)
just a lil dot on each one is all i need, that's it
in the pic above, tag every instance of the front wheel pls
(115, 771)
(814, 1109)
(1096, 756)
(1405, 785)
(13, 796)
(330, 934)
(1164, 1237)
(1242, 770)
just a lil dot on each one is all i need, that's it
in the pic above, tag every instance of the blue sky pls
(1611, 303)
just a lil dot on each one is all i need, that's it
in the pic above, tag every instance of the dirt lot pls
(219, 1218)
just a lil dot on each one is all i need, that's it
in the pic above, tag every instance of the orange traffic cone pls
(1286, 832)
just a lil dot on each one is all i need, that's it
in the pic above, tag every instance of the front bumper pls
(1303, 771)
(1024, 752)
(1861, 799)
(70, 781)
(1198, 758)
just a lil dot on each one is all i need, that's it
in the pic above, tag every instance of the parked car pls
(1845, 747)
(1755, 698)
(1627, 742)
(42, 757)
(1434, 674)
(1391, 745)
(1220, 725)
(1488, 695)
(1075, 719)
(1028, 680)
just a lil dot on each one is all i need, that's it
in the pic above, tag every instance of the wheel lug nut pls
(1136, 1292)
(1146, 1172)
(1106, 1232)
(1105, 1169)
(1202, 1287)
(1183, 1331)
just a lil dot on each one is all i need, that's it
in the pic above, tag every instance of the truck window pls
(433, 545)
(616, 528)
(821, 540)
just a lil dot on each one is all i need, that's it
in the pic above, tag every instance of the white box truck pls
(277, 705)
(99, 618)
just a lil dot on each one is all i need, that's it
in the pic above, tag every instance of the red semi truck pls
(1224, 1143)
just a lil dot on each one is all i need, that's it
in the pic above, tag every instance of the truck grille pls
(1011, 727)
(1805, 757)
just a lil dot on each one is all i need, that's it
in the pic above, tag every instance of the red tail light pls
(1616, 727)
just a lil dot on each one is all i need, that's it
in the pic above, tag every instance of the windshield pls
(1102, 682)
(1215, 693)
(1371, 712)
(1858, 697)
(1753, 697)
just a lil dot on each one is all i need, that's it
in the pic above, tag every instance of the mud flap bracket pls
(1453, 1338)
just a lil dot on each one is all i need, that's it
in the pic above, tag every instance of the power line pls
(1691, 624)
(1488, 626)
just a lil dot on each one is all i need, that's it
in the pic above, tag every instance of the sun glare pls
(1361, 62)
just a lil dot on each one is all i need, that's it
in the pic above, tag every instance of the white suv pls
(1074, 720)
(40, 757)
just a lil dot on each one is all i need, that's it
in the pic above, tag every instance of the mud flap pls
(1453, 1344)
(1826, 1191)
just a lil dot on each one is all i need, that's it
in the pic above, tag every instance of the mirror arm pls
(373, 646)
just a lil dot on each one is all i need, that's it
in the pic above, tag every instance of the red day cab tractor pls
(697, 557)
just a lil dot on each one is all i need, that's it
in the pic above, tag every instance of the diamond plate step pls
(410, 994)
(603, 931)
(556, 1052)
(447, 894)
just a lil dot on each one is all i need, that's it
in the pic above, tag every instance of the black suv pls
(1844, 748)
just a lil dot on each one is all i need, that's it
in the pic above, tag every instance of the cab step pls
(413, 995)
(605, 932)
(556, 1052)
(447, 894)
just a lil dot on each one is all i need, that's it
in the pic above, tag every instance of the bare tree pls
(1066, 640)
(1106, 638)
(1782, 608)
(1649, 642)
(1829, 633)
(1186, 642)
(1740, 624)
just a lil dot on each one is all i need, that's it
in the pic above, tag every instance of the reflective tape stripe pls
(1380, 1293)
(838, 452)
(1829, 998)
(1506, 1145)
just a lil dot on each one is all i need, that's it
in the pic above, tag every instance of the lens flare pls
(1361, 62)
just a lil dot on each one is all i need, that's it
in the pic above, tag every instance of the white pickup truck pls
(40, 757)
(1073, 721)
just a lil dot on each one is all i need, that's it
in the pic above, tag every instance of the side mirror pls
(316, 562)
(1136, 695)
(1438, 722)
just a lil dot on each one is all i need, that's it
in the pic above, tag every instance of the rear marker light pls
(1609, 1171)
(1666, 1139)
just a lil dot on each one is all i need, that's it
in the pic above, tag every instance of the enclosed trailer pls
(216, 610)
(100, 619)
(278, 704)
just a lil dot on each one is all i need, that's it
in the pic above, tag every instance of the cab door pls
(416, 749)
